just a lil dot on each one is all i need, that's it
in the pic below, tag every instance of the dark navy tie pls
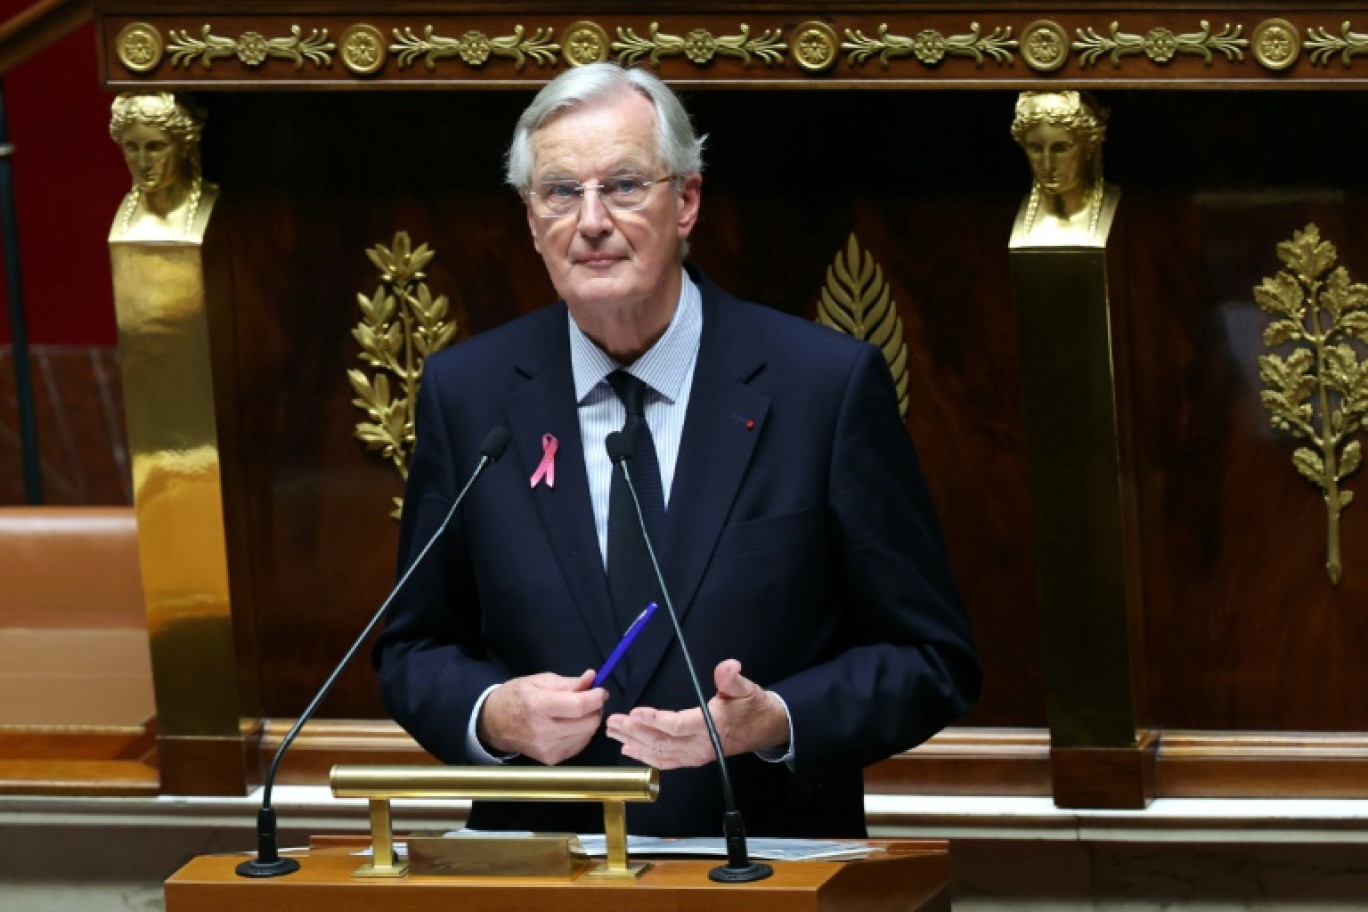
(631, 579)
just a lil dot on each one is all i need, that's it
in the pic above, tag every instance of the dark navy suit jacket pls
(800, 539)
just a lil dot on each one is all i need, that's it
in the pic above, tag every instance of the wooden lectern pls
(907, 875)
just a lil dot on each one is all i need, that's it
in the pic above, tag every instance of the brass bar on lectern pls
(615, 836)
(611, 785)
(521, 783)
(383, 862)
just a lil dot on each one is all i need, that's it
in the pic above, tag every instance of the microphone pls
(739, 868)
(268, 862)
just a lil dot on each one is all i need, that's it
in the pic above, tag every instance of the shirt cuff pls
(474, 749)
(776, 754)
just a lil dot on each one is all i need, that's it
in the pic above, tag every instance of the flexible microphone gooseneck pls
(268, 862)
(739, 868)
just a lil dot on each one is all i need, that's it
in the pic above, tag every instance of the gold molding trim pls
(585, 42)
(930, 46)
(402, 324)
(1321, 45)
(1319, 392)
(1160, 44)
(362, 49)
(1275, 44)
(252, 48)
(139, 47)
(1045, 45)
(475, 48)
(700, 46)
(816, 47)
(857, 301)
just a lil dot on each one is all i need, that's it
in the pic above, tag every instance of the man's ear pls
(531, 221)
(690, 198)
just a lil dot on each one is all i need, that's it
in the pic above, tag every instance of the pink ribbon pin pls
(546, 470)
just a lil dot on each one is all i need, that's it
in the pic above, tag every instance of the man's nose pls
(593, 215)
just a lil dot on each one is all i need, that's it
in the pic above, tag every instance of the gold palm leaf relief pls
(857, 301)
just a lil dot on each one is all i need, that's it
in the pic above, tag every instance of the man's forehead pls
(614, 133)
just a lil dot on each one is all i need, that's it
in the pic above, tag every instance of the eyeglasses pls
(559, 198)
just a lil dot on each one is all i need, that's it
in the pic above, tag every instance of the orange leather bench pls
(75, 675)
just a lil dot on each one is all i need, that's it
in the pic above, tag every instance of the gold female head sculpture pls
(159, 134)
(1061, 134)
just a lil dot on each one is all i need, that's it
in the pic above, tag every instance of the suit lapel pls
(545, 404)
(725, 420)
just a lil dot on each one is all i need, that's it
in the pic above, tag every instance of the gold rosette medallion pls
(139, 47)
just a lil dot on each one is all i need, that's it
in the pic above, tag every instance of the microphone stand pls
(268, 862)
(739, 868)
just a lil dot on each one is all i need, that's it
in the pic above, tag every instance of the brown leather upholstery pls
(73, 640)
(64, 567)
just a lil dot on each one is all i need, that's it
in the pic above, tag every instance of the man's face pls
(602, 261)
(1056, 157)
(151, 156)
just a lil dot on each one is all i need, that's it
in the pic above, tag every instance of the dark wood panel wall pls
(1237, 627)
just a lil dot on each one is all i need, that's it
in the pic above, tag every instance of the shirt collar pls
(665, 365)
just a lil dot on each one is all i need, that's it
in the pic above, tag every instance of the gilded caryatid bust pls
(159, 134)
(1070, 205)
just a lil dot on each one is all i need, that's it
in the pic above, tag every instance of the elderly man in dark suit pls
(784, 498)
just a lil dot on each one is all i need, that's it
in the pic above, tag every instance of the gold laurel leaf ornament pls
(1317, 391)
(857, 301)
(401, 325)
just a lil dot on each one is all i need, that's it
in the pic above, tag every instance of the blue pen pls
(624, 644)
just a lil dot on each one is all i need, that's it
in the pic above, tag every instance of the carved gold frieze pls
(700, 46)
(1044, 45)
(1318, 392)
(585, 42)
(252, 48)
(362, 49)
(1274, 43)
(930, 46)
(139, 47)
(402, 323)
(1322, 46)
(1160, 44)
(857, 301)
(475, 47)
(815, 47)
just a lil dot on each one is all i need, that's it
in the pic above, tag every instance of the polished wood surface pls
(911, 876)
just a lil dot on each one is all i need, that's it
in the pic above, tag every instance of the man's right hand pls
(543, 716)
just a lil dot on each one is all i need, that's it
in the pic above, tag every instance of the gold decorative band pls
(813, 47)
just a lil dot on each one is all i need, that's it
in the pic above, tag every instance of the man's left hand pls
(748, 718)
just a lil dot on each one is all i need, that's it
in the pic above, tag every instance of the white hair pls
(680, 149)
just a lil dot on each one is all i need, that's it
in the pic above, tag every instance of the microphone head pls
(495, 442)
(619, 447)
